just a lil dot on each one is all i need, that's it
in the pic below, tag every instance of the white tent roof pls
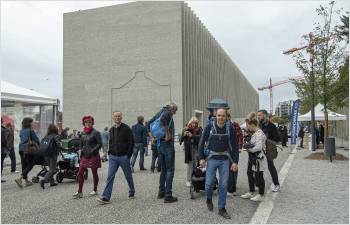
(319, 115)
(11, 92)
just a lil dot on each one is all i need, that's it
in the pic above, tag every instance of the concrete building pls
(284, 108)
(135, 57)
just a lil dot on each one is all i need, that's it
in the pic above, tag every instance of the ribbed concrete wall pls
(208, 72)
(104, 47)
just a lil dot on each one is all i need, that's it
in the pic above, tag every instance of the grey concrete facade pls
(135, 57)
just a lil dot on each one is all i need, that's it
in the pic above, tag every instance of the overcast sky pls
(253, 33)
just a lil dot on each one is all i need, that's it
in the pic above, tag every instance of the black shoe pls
(131, 196)
(143, 169)
(161, 195)
(223, 213)
(53, 184)
(103, 201)
(152, 170)
(170, 199)
(42, 184)
(3, 181)
(210, 205)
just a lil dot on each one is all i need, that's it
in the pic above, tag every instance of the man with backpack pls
(271, 132)
(218, 147)
(162, 128)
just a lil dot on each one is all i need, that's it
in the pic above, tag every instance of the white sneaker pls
(93, 193)
(257, 198)
(77, 195)
(273, 186)
(248, 195)
(188, 184)
(277, 188)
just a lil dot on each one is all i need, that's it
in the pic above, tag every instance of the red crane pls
(271, 85)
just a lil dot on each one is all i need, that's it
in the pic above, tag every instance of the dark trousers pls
(255, 178)
(273, 172)
(232, 181)
(27, 165)
(12, 156)
(166, 157)
(302, 142)
(52, 162)
(21, 155)
(3, 156)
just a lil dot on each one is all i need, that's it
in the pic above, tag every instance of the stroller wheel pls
(192, 192)
(35, 179)
(59, 177)
(86, 175)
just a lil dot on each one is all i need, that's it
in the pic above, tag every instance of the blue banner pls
(294, 122)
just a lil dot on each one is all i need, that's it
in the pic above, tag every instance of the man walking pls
(166, 151)
(105, 142)
(140, 138)
(283, 132)
(220, 140)
(271, 134)
(120, 149)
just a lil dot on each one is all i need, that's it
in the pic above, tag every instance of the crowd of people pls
(216, 147)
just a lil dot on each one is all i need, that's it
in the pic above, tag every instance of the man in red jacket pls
(232, 181)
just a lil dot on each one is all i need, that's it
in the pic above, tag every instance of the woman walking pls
(255, 148)
(90, 156)
(26, 135)
(191, 135)
(52, 140)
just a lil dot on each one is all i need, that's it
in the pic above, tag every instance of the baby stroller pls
(68, 167)
(198, 180)
(40, 160)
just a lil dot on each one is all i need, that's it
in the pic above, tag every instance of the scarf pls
(88, 130)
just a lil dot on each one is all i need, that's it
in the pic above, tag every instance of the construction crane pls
(271, 85)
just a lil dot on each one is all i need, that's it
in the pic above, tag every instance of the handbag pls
(32, 147)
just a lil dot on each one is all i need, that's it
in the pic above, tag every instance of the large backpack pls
(47, 145)
(157, 129)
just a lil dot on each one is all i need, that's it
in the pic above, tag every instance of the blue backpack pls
(157, 129)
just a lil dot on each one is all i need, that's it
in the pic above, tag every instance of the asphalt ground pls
(55, 204)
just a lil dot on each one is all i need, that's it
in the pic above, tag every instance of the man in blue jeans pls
(121, 143)
(140, 138)
(220, 140)
(166, 152)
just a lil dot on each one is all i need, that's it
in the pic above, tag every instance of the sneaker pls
(143, 169)
(92, 193)
(257, 198)
(131, 196)
(248, 195)
(28, 183)
(161, 195)
(78, 195)
(223, 213)
(229, 193)
(19, 182)
(188, 184)
(42, 184)
(276, 189)
(273, 186)
(170, 199)
(152, 170)
(210, 205)
(103, 201)
(16, 171)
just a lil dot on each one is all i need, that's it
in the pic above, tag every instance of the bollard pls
(330, 147)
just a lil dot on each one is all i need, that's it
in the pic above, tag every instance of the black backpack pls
(47, 145)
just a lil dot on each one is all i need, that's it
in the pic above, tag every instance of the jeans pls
(154, 159)
(138, 148)
(232, 181)
(52, 162)
(223, 167)
(273, 172)
(113, 164)
(166, 157)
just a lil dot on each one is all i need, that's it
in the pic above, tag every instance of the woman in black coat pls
(190, 137)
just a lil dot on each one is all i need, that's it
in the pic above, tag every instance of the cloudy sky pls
(253, 33)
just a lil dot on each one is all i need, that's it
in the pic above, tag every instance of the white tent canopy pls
(319, 115)
(11, 92)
